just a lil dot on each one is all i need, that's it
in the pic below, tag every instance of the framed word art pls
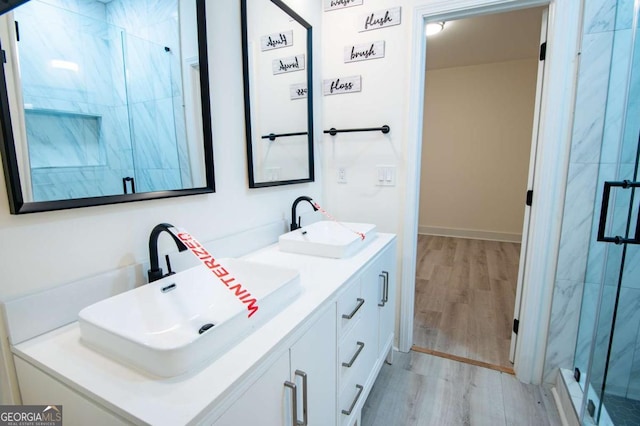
(340, 4)
(290, 64)
(276, 41)
(380, 19)
(340, 85)
(298, 91)
(364, 52)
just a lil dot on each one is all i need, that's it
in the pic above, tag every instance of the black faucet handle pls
(169, 270)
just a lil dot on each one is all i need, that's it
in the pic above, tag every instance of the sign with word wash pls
(298, 91)
(380, 19)
(340, 4)
(336, 86)
(364, 52)
(290, 64)
(276, 40)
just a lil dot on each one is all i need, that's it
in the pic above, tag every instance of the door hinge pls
(529, 200)
(543, 51)
(576, 374)
(17, 31)
(516, 325)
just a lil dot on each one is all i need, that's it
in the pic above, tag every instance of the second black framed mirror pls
(278, 95)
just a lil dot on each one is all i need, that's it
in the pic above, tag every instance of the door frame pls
(556, 118)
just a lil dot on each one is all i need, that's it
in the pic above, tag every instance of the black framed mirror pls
(104, 102)
(278, 95)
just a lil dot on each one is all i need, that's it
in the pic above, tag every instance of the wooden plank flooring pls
(420, 389)
(465, 292)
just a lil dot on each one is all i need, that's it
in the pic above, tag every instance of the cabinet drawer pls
(350, 400)
(350, 307)
(352, 352)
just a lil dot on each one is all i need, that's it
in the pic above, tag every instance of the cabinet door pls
(314, 359)
(386, 265)
(265, 402)
(380, 277)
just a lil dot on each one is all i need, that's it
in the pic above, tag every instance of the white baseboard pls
(473, 234)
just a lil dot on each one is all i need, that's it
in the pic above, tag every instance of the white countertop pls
(185, 399)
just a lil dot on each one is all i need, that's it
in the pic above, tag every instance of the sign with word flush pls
(380, 19)
(276, 40)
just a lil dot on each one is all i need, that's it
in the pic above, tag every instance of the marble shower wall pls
(134, 113)
(583, 263)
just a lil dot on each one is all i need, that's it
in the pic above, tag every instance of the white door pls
(530, 185)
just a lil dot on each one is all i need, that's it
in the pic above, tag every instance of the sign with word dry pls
(337, 86)
(276, 40)
(380, 19)
(290, 64)
(298, 91)
(364, 52)
(340, 4)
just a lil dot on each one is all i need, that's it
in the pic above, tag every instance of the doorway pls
(551, 167)
(479, 122)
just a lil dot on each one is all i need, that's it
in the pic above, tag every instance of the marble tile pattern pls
(420, 389)
(599, 144)
(122, 68)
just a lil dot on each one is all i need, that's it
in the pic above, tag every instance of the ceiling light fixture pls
(433, 28)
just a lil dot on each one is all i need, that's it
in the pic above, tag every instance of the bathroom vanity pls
(313, 363)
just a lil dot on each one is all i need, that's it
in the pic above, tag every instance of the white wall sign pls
(336, 86)
(290, 64)
(276, 40)
(363, 52)
(340, 4)
(380, 19)
(298, 91)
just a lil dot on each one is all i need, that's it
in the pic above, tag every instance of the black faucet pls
(155, 273)
(295, 225)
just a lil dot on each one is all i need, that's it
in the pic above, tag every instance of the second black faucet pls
(296, 224)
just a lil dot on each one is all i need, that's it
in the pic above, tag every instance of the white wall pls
(44, 250)
(475, 150)
(383, 100)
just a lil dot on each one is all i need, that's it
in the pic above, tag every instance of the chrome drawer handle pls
(355, 356)
(385, 288)
(304, 397)
(358, 306)
(355, 401)
(294, 401)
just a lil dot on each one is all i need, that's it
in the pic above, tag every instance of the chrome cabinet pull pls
(355, 356)
(358, 306)
(385, 288)
(294, 401)
(355, 401)
(302, 374)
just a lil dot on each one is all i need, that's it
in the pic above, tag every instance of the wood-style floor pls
(465, 292)
(424, 390)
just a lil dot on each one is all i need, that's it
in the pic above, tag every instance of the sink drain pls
(205, 327)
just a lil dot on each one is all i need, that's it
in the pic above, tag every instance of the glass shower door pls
(610, 318)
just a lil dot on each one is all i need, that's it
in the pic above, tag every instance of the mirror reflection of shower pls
(103, 96)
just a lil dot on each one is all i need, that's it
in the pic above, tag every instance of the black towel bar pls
(384, 129)
(273, 136)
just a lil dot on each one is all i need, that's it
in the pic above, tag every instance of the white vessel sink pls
(159, 327)
(328, 239)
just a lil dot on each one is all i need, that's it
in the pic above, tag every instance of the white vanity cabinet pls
(299, 385)
(313, 364)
